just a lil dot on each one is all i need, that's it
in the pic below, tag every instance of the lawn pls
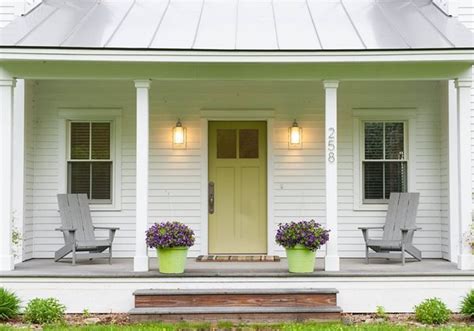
(245, 327)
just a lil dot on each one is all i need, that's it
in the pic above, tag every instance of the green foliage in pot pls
(9, 305)
(44, 311)
(432, 311)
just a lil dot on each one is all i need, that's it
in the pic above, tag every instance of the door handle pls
(211, 197)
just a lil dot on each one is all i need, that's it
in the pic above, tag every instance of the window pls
(90, 161)
(384, 160)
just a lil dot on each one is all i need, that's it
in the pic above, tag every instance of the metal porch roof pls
(238, 25)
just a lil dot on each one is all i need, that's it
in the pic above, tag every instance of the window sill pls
(100, 208)
(370, 207)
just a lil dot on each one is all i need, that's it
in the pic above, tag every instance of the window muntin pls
(90, 163)
(384, 162)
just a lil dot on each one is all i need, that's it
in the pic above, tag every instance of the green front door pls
(238, 177)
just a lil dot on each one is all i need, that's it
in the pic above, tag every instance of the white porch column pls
(332, 256)
(140, 261)
(463, 87)
(6, 158)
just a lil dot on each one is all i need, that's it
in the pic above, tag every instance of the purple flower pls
(169, 234)
(306, 233)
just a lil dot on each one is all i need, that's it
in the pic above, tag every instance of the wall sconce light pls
(179, 136)
(295, 136)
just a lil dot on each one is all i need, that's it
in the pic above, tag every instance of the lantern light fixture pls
(179, 136)
(295, 136)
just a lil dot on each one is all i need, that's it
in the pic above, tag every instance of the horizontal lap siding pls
(175, 175)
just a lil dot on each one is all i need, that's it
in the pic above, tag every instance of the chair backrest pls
(75, 213)
(401, 213)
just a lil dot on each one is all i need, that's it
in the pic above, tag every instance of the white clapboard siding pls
(10, 9)
(175, 175)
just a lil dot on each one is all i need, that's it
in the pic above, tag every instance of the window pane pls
(226, 143)
(80, 141)
(395, 178)
(248, 144)
(373, 180)
(394, 141)
(101, 180)
(373, 141)
(100, 141)
(79, 177)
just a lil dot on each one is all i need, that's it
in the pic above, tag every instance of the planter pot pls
(172, 260)
(300, 259)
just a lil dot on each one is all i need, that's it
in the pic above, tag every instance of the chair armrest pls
(111, 228)
(410, 229)
(72, 230)
(370, 228)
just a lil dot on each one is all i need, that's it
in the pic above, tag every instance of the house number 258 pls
(331, 145)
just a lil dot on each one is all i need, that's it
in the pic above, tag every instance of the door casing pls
(236, 115)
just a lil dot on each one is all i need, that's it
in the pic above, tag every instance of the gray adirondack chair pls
(398, 231)
(78, 230)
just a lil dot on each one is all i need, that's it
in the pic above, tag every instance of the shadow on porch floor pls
(123, 267)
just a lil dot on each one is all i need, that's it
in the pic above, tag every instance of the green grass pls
(244, 327)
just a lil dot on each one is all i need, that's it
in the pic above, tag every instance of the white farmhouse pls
(92, 93)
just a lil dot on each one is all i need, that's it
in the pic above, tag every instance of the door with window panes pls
(384, 160)
(90, 164)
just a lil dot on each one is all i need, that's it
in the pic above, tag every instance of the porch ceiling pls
(315, 25)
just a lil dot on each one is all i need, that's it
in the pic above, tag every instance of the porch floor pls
(123, 267)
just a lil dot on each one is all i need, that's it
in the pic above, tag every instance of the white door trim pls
(241, 115)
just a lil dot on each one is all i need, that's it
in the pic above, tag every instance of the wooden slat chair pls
(78, 230)
(398, 231)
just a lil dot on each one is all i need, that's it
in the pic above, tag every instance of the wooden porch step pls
(236, 298)
(235, 314)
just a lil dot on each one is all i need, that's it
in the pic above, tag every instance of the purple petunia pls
(169, 234)
(306, 233)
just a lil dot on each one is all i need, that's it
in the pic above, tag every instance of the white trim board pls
(248, 115)
(92, 114)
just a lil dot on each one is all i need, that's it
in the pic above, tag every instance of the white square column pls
(463, 97)
(140, 261)
(331, 262)
(7, 85)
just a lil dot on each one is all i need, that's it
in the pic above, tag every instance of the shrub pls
(169, 234)
(432, 311)
(44, 311)
(9, 305)
(380, 312)
(306, 233)
(467, 305)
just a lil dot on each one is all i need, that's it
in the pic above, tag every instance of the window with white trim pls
(90, 163)
(383, 160)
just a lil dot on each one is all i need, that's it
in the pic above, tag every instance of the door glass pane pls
(395, 178)
(80, 141)
(100, 141)
(394, 143)
(373, 141)
(79, 177)
(373, 180)
(248, 144)
(226, 143)
(101, 180)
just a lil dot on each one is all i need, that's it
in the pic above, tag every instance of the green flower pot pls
(300, 259)
(172, 260)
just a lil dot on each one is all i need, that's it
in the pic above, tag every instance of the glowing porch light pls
(295, 136)
(179, 136)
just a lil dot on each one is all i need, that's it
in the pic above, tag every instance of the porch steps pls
(237, 305)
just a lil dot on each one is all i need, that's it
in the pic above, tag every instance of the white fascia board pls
(108, 55)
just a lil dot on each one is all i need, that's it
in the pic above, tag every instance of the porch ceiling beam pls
(233, 71)
(230, 56)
